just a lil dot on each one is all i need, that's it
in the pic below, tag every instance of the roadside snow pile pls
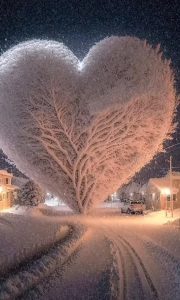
(159, 217)
(25, 210)
(55, 210)
(176, 222)
(23, 237)
(28, 276)
(40, 210)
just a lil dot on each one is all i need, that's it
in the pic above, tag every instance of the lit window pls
(174, 197)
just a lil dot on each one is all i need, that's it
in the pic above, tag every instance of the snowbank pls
(159, 217)
(22, 237)
(26, 276)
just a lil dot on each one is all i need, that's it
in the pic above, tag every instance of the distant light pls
(80, 66)
(48, 194)
(1, 189)
(131, 194)
(166, 191)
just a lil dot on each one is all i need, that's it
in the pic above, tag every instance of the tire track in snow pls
(143, 270)
(127, 272)
(118, 274)
(134, 281)
(170, 265)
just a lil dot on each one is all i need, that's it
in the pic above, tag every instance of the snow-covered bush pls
(30, 195)
(83, 129)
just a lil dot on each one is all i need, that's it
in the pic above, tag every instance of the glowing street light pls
(166, 191)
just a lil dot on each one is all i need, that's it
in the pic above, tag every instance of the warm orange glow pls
(166, 191)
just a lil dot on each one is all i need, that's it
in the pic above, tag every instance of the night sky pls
(79, 24)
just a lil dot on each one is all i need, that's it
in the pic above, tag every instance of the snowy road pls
(85, 276)
(120, 257)
(133, 280)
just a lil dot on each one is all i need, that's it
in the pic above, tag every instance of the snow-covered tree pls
(30, 194)
(83, 129)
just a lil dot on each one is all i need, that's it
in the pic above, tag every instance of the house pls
(7, 190)
(158, 192)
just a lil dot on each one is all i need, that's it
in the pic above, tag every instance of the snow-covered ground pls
(126, 257)
(117, 257)
(160, 217)
(23, 236)
(31, 245)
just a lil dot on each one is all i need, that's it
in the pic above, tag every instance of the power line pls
(178, 144)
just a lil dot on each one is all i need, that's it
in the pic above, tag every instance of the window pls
(7, 180)
(174, 197)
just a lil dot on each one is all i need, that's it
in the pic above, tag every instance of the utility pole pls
(171, 188)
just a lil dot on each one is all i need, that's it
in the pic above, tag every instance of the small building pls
(158, 192)
(7, 190)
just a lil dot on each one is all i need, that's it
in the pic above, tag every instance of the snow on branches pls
(82, 129)
(30, 194)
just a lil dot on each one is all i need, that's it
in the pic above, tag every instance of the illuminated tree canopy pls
(83, 129)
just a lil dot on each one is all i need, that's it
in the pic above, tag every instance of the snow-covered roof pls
(5, 173)
(160, 182)
(163, 182)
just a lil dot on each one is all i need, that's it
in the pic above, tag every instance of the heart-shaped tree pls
(82, 129)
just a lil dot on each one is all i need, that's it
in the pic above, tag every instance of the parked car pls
(131, 206)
